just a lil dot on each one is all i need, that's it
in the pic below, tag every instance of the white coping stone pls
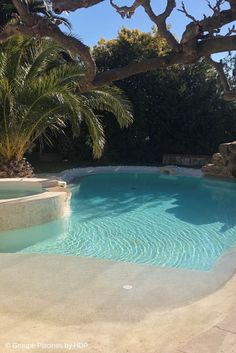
(70, 174)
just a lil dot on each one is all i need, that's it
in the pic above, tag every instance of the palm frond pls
(113, 100)
(39, 96)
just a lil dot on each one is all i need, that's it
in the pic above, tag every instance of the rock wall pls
(185, 160)
(223, 164)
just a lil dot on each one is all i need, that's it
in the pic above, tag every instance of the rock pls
(217, 159)
(224, 163)
(232, 147)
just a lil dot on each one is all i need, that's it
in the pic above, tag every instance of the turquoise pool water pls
(12, 194)
(171, 221)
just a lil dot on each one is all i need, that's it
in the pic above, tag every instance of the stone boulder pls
(223, 164)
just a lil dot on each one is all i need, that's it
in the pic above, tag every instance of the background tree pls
(177, 110)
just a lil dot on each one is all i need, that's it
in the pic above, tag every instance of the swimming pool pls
(172, 221)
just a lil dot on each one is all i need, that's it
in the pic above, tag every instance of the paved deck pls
(60, 301)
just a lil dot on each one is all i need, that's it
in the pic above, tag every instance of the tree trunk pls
(15, 168)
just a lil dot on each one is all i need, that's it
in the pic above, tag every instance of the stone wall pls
(186, 160)
(223, 163)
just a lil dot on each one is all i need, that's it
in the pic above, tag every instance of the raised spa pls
(29, 202)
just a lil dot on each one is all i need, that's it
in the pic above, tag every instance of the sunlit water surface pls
(171, 221)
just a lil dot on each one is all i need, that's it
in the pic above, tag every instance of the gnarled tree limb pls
(38, 26)
(160, 21)
(127, 11)
(204, 50)
(229, 95)
(201, 38)
(71, 5)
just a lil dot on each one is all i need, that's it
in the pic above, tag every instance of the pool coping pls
(70, 174)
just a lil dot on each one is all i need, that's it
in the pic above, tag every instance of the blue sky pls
(102, 20)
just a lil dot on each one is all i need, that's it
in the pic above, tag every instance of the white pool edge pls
(70, 174)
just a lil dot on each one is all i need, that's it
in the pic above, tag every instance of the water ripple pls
(176, 222)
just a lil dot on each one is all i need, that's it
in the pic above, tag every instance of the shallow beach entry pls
(171, 221)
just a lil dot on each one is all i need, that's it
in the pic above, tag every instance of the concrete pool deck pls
(53, 299)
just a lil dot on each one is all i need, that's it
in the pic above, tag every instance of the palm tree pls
(39, 95)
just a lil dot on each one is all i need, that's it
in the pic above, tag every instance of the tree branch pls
(214, 45)
(127, 11)
(160, 22)
(71, 5)
(216, 7)
(219, 67)
(39, 26)
(214, 22)
(229, 95)
(186, 13)
(198, 40)
(232, 4)
(138, 67)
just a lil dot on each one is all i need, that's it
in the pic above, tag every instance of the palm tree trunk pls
(15, 168)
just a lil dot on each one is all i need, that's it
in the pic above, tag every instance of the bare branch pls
(217, 7)
(71, 5)
(160, 22)
(127, 11)
(191, 34)
(231, 31)
(229, 95)
(219, 67)
(187, 14)
(216, 22)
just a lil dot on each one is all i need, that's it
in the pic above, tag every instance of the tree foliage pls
(129, 46)
(177, 110)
